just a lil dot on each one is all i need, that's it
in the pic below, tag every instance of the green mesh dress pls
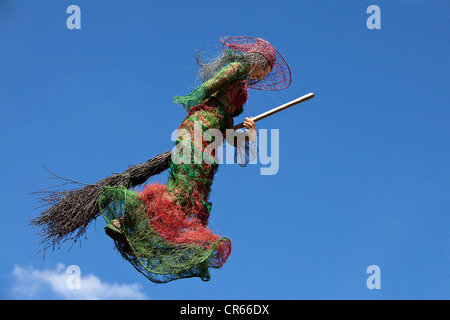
(163, 229)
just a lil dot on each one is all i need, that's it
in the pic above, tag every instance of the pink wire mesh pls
(279, 77)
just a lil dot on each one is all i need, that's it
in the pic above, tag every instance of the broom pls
(70, 212)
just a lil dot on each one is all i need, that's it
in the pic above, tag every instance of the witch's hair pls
(209, 65)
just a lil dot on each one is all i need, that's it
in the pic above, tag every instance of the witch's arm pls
(236, 139)
(249, 123)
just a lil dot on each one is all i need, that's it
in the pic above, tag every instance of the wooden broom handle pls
(277, 109)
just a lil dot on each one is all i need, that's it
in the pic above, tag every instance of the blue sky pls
(364, 166)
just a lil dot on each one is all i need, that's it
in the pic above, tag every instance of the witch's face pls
(260, 71)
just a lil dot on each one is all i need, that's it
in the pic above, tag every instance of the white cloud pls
(31, 283)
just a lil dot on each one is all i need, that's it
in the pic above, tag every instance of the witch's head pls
(265, 60)
(259, 64)
(269, 70)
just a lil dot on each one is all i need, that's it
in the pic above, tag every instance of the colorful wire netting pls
(163, 229)
(279, 77)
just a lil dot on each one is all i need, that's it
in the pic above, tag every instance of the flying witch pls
(162, 230)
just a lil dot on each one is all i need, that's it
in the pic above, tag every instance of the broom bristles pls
(70, 212)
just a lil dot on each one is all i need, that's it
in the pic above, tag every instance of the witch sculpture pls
(162, 230)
